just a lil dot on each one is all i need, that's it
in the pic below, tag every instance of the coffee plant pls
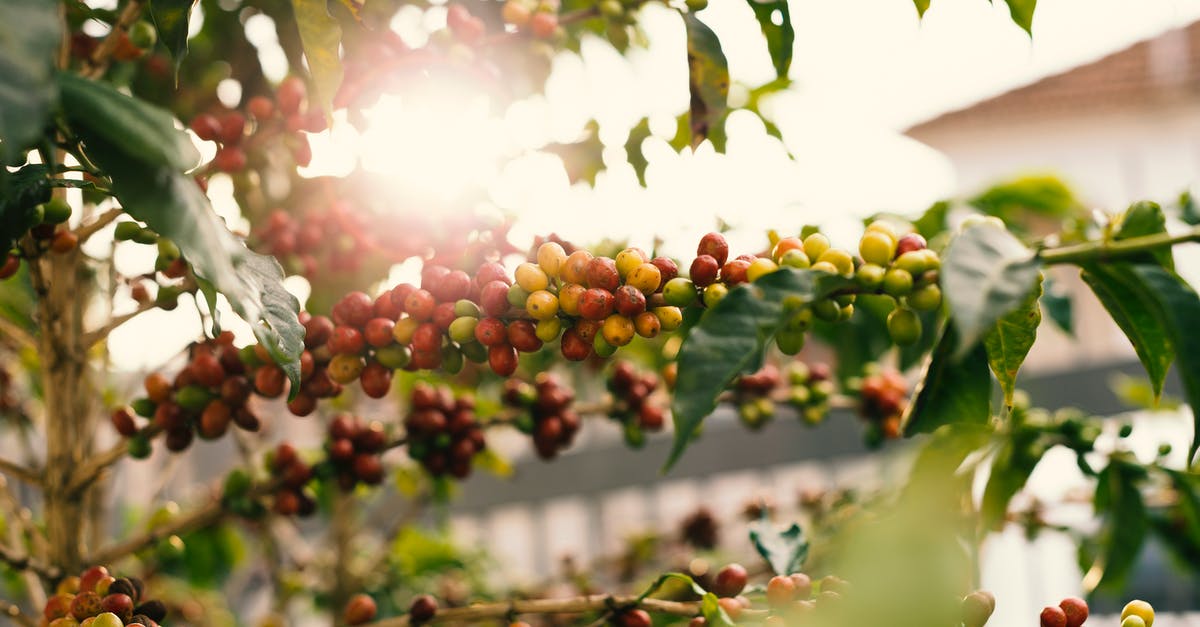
(117, 128)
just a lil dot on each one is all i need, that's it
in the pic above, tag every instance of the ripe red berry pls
(269, 380)
(453, 286)
(378, 332)
(629, 301)
(427, 338)
(634, 618)
(730, 581)
(368, 468)
(360, 609)
(909, 243)
(290, 95)
(574, 347)
(444, 315)
(420, 305)
(260, 107)
(602, 273)
(214, 420)
(543, 25)
(122, 421)
(1053, 617)
(734, 272)
(233, 125)
(491, 332)
(596, 303)
(1076, 610)
(503, 359)
(667, 269)
(493, 298)
(704, 270)
(492, 271)
(317, 331)
(424, 606)
(715, 246)
(230, 159)
(346, 340)
(522, 334)
(376, 380)
(207, 127)
(12, 263)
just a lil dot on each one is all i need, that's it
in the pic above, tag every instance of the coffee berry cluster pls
(633, 404)
(292, 473)
(207, 394)
(353, 450)
(883, 395)
(288, 114)
(546, 412)
(43, 224)
(809, 388)
(752, 395)
(97, 599)
(443, 432)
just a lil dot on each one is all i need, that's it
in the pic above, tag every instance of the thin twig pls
(25, 562)
(13, 335)
(99, 335)
(12, 611)
(91, 468)
(98, 62)
(572, 605)
(17, 471)
(87, 230)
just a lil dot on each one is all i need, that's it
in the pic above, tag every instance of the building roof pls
(1162, 69)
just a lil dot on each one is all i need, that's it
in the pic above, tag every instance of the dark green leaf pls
(986, 273)
(1014, 201)
(171, 204)
(1141, 219)
(26, 189)
(922, 7)
(1188, 210)
(1179, 525)
(1058, 305)
(1128, 301)
(582, 159)
(730, 338)
(784, 549)
(708, 83)
(1119, 501)
(29, 38)
(639, 133)
(687, 582)
(1011, 467)
(780, 37)
(143, 131)
(1009, 342)
(710, 608)
(171, 19)
(1022, 13)
(321, 36)
(933, 221)
(950, 392)
(1178, 310)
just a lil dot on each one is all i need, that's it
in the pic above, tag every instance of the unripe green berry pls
(56, 211)
(815, 245)
(452, 359)
(474, 352)
(517, 296)
(463, 329)
(821, 390)
(912, 262)
(799, 321)
(611, 8)
(789, 342)
(602, 347)
(926, 298)
(145, 236)
(897, 282)
(125, 231)
(143, 407)
(826, 309)
(845, 313)
(167, 249)
(794, 258)
(393, 356)
(679, 292)
(870, 276)
(799, 395)
(904, 326)
(139, 447)
(634, 436)
(714, 293)
(467, 307)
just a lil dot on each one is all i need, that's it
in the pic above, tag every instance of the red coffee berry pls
(64, 242)
(290, 95)
(269, 380)
(629, 301)
(602, 273)
(493, 298)
(12, 263)
(1053, 617)
(715, 246)
(317, 331)
(1076, 610)
(909, 243)
(634, 618)
(453, 286)
(230, 159)
(444, 315)
(574, 347)
(503, 359)
(491, 332)
(704, 270)
(378, 332)
(596, 303)
(207, 127)
(780, 591)
(376, 380)
(347, 340)
(360, 609)
(734, 272)
(260, 107)
(368, 468)
(730, 581)
(492, 271)
(667, 269)
(424, 606)
(522, 334)
(419, 304)
(123, 422)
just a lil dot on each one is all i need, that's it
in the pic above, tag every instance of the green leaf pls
(1017, 200)
(1179, 526)
(171, 19)
(140, 129)
(582, 159)
(1011, 468)
(714, 614)
(687, 582)
(730, 338)
(922, 7)
(986, 273)
(29, 38)
(1058, 305)
(708, 83)
(1178, 310)
(26, 189)
(171, 204)
(949, 391)
(1130, 304)
(780, 37)
(640, 132)
(1119, 501)
(1189, 211)
(1009, 342)
(321, 36)
(784, 549)
(1141, 219)
(1022, 13)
